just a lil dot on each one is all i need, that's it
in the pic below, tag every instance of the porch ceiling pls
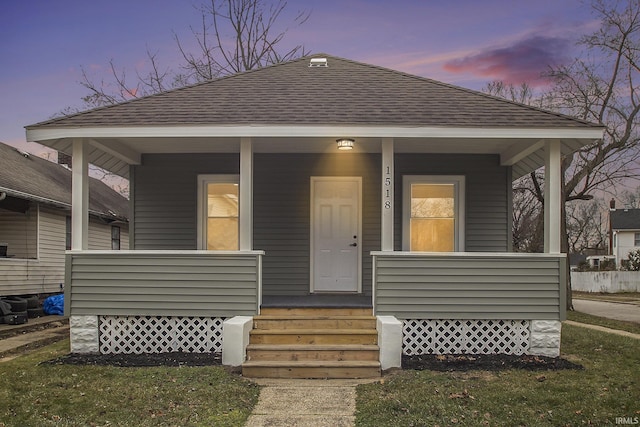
(116, 149)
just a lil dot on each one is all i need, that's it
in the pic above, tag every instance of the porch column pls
(80, 196)
(386, 232)
(552, 196)
(246, 194)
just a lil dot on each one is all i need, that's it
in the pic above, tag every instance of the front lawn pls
(607, 388)
(34, 394)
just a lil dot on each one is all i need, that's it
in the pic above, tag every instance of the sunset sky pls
(45, 43)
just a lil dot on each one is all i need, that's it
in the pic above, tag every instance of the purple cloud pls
(523, 61)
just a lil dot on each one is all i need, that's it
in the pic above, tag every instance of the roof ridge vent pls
(318, 62)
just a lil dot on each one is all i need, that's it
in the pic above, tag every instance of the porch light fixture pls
(345, 143)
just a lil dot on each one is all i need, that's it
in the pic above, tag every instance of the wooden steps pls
(313, 343)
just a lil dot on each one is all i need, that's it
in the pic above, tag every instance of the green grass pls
(577, 316)
(607, 388)
(32, 394)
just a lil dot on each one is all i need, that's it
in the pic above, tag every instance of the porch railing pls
(469, 285)
(163, 283)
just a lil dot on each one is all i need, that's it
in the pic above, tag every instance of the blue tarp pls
(54, 305)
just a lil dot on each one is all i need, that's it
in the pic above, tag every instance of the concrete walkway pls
(35, 332)
(610, 310)
(603, 329)
(306, 403)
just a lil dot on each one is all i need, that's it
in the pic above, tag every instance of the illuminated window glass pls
(433, 213)
(222, 217)
(220, 225)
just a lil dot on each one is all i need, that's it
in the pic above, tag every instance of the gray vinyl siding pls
(165, 202)
(44, 273)
(141, 283)
(100, 235)
(487, 226)
(281, 220)
(466, 286)
(20, 232)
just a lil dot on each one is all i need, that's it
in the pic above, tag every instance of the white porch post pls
(246, 194)
(386, 232)
(552, 196)
(80, 196)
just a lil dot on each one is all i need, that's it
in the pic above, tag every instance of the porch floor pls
(318, 300)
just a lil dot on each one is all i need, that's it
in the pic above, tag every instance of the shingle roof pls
(625, 219)
(344, 93)
(35, 178)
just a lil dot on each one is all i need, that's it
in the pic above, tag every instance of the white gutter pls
(49, 133)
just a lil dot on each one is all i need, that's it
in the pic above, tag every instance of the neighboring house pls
(35, 209)
(625, 233)
(576, 260)
(320, 180)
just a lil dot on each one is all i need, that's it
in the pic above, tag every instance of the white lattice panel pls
(465, 336)
(142, 334)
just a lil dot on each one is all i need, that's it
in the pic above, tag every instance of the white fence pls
(606, 281)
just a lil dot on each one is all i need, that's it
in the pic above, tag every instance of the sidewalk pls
(603, 329)
(40, 331)
(306, 403)
(611, 310)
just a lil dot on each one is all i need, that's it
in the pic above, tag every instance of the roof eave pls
(59, 204)
(41, 134)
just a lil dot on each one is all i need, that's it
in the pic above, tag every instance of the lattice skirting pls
(143, 334)
(465, 336)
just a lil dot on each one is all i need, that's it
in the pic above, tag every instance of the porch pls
(159, 301)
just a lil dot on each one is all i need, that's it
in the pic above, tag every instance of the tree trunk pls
(564, 244)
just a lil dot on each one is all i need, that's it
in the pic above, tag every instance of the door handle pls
(353, 244)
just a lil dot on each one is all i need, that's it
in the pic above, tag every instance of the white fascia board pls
(36, 135)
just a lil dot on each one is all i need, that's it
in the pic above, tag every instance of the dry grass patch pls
(607, 387)
(37, 394)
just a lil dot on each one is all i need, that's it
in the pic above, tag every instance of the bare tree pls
(601, 86)
(527, 217)
(586, 227)
(233, 36)
(236, 36)
(631, 199)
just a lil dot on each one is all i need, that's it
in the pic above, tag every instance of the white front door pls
(335, 234)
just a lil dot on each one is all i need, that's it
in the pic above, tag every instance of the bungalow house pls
(263, 198)
(624, 232)
(35, 222)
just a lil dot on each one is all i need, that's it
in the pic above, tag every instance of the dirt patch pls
(7, 331)
(139, 360)
(485, 362)
(443, 363)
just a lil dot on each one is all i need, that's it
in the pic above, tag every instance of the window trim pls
(118, 238)
(459, 193)
(636, 239)
(203, 180)
(67, 233)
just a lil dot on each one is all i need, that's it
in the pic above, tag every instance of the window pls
(115, 238)
(636, 239)
(433, 213)
(68, 233)
(218, 212)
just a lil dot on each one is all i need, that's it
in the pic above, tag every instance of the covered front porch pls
(242, 197)
(159, 301)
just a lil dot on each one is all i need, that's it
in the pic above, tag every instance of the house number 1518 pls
(388, 182)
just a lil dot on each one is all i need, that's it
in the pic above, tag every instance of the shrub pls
(633, 263)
